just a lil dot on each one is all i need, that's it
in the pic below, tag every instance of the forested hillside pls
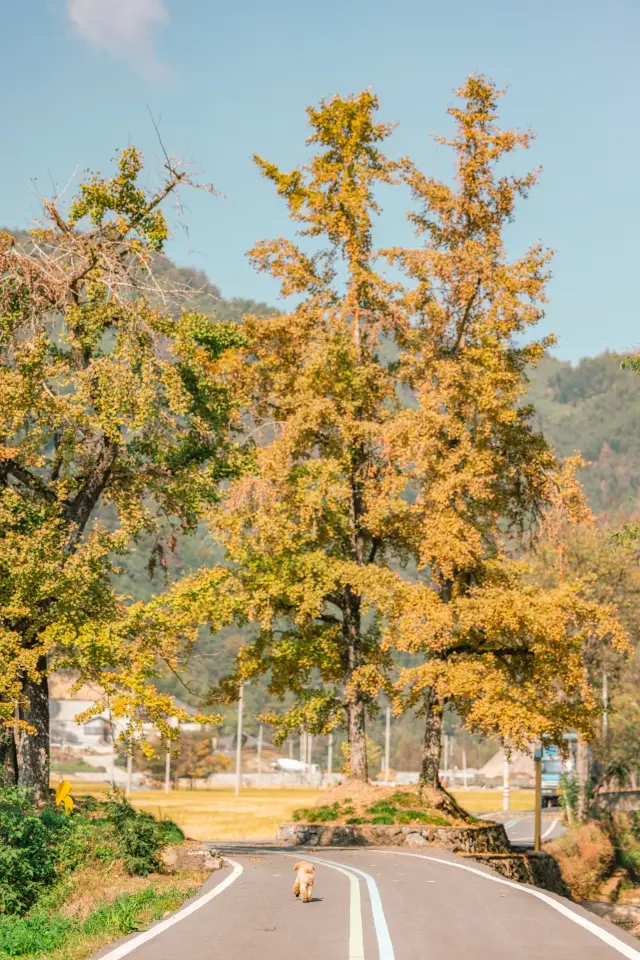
(593, 407)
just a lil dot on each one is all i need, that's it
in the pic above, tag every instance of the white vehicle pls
(290, 766)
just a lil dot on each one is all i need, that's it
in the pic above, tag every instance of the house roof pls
(61, 688)
(519, 764)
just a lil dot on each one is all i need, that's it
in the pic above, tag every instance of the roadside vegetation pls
(71, 882)
(353, 803)
(600, 859)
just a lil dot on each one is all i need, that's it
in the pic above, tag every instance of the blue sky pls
(229, 79)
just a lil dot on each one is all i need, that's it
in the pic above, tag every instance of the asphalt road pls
(520, 825)
(373, 905)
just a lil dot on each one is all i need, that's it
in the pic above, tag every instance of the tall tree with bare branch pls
(109, 398)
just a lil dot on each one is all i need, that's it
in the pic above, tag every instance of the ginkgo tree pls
(396, 470)
(505, 652)
(110, 399)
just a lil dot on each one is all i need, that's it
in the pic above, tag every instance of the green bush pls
(38, 848)
(36, 934)
(29, 845)
(171, 832)
(141, 837)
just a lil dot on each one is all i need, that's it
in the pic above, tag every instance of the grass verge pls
(61, 935)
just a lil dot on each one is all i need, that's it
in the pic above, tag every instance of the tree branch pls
(29, 481)
(78, 511)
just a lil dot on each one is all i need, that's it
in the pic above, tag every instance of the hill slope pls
(593, 407)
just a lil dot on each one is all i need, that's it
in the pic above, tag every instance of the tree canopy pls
(109, 398)
(389, 498)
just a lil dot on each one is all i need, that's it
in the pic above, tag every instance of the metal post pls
(259, 755)
(239, 741)
(538, 811)
(506, 784)
(330, 760)
(167, 771)
(387, 746)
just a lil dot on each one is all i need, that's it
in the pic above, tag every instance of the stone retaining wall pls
(622, 801)
(538, 869)
(480, 838)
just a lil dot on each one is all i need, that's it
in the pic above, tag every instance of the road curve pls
(373, 904)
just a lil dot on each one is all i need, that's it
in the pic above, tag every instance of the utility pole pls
(506, 784)
(129, 769)
(290, 748)
(303, 747)
(538, 810)
(259, 755)
(167, 771)
(464, 769)
(330, 760)
(239, 741)
(387, 745)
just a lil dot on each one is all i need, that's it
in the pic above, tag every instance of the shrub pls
(171, 832)
(140, 835)
(29, 843)
(626, 833)
(586, 856)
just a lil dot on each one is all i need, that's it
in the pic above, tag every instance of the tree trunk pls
(432, 740)
(33, 749)
(357, 741)
(582, 776)
(433, 711)
(356, 732)
(8, 758)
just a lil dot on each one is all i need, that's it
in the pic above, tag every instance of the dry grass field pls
(490, 801)
(218, 814)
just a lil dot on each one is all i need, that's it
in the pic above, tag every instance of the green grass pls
(79, 766)
(51, 935)
(400, 808)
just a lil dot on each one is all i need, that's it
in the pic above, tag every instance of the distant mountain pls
(593, 407)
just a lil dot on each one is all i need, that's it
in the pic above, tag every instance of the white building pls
(65, 705)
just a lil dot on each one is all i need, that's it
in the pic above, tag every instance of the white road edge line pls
(604, 935)
(543, 836)
(356, 936)
(124, 949)
(385, 947)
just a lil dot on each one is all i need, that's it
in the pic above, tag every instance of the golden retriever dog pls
(304, 880)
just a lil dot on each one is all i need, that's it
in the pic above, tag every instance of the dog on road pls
(304, 880)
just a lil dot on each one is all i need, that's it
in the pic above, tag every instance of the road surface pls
(373, 905)
(520, 825)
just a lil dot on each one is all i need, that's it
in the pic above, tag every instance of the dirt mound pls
(360, 803)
